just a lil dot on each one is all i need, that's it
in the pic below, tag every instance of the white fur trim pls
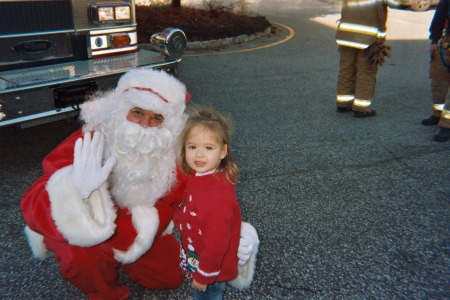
(125, 96)
(83, 222)
(247, 271)
(162, 83)
(36, 242)
(145, 221)
(169, 229)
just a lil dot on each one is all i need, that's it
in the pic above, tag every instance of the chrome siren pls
(170, 42)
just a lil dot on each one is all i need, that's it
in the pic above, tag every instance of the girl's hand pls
(198, 286)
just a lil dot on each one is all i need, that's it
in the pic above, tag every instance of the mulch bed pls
(197, 24)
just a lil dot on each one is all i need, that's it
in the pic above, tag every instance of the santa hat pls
(149, 89)
(154, 90)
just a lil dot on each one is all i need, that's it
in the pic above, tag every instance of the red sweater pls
(209, 220)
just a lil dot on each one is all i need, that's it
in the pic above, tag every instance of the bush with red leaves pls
(197, 24)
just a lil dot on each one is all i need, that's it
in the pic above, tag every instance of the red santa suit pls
(82, 236)
(209, 220)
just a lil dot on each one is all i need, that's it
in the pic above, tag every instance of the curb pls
(212, 44)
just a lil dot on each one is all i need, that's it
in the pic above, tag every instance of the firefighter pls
(440, 72)
(360, 35)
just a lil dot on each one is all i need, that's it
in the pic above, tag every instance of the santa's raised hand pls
(89, 171)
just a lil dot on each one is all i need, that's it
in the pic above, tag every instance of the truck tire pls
(420, 5)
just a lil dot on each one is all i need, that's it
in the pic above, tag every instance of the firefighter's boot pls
(430, 121)
(359, 114)
(442, 134)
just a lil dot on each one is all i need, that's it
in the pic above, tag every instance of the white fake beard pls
(146, 163)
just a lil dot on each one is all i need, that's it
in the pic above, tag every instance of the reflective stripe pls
(362, 29)
(438, 107)
(208, 274)
(345, 98)
(445, 114)
(366, 2)
(352, 44)
(362, 103)
(362, 3)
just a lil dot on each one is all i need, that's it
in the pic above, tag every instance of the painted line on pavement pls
(289, 37)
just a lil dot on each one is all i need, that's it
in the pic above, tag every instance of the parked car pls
(416, 5)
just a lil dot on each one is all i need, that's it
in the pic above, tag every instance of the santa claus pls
(108, 192)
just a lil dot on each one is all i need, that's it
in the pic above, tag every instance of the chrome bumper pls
(27, 96)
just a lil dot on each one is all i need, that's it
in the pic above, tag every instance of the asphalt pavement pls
(345, 208)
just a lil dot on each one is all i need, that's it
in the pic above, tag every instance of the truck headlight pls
(107, 13)
(122, 13)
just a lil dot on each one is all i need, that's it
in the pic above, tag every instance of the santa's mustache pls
(131, 137)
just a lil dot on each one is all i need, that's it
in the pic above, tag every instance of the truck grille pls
(35, 16)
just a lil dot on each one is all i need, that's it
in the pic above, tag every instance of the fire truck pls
(54, 54)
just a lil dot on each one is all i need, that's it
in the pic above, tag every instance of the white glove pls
(88, 172)
(248, 244)
(245, 250)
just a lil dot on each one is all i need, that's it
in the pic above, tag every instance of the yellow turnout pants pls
(356, 80)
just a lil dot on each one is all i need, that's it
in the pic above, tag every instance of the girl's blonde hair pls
(218, 125)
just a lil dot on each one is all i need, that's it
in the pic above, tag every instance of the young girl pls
(209, 217)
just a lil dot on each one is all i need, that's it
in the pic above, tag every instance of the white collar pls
(205, 173)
